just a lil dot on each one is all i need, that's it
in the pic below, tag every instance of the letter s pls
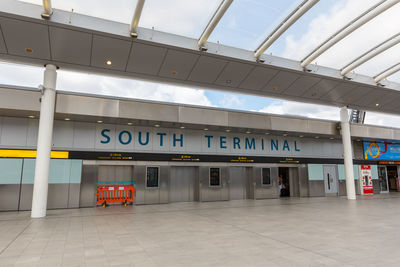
(103, 133)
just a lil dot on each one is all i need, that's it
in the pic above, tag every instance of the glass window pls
(266, 176)
(215, 178)
(152, 177)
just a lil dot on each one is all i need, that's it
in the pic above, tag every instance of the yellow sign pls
(10, 153)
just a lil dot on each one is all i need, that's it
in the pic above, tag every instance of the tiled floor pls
(285, 232)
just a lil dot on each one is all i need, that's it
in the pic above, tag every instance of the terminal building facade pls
(180, 153)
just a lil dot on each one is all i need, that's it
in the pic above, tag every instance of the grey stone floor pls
(280, 232)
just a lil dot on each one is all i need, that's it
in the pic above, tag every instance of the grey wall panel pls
(250, 182)
(316, 188)
(164, 183)
(25, 202)
(139, 174)
(14, 131)
(63, 134)
(294, 182)
(271, 191)
(237, 182)
(182, 184)
(9, 196)
(74, 195)
(152, 196)
(303, 181)
(33, 128)
(84, 135)
(88, 187)
(57, 197)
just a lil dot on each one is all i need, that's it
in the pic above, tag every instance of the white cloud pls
(230, 101)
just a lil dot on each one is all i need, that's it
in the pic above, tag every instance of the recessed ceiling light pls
(248, 132)
(157, 125)
(67, 119)
(227, 130)
(267, 133)
(205, 129)
(182, 127)
(228, 81)
(377, 104)
(174, 73)
(316, 137)
(129, 123)
(31, 116)
(301, 136)
(284, 134)
(358, 140)
(331, 138)
(109, 62)
(28, 50)
(274, 88)
(99, 121)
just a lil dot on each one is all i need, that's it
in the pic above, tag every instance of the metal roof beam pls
(136, 18)
(392, 41)
(349, 28)
(48, 10)
(223, 7)
(386, 73)
(284, 25)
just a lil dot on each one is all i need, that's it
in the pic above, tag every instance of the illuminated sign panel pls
(381, 151)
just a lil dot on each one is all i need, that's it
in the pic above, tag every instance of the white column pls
(45, 135)
(347, 153)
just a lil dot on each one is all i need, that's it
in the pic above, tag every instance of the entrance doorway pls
(284, 182)
(392, 177)
(383, 179)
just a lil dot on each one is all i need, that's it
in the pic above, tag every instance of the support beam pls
(347, 153)
(48, 11)
(349, 28)
(285, 24)
(392, 41)
(41, 182)
(386, 73)
(223, 7)
(136, 18)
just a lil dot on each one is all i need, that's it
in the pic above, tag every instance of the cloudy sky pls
(252, 20)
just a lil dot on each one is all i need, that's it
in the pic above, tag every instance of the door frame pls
(387, 181)
(335, 167)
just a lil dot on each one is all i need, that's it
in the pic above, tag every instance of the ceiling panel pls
(115, 50)
(178, 65)
(281, 81)
(233, 74)
(355, 95)
(207, 69)
(258, 77)
(321, 88)
(146, 59)
(3, 49)
(372, 97)
(340, 90)
(301, 85)
(25, 38)
(70, 46)
(393, 103)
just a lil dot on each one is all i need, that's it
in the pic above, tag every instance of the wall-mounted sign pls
(381, 151)
(366, 186)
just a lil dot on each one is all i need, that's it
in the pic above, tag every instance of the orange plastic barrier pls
(115, 194)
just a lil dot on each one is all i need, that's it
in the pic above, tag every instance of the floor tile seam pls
(16, 237)
(276, 240)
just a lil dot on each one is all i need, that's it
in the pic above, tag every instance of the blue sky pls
(245, 25)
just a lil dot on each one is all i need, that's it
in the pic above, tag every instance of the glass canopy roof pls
(248, 22)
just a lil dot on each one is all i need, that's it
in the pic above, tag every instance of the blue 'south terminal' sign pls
(381, 150)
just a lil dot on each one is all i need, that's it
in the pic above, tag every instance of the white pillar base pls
(44, 143)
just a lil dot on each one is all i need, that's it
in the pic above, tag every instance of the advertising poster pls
(381, 150)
